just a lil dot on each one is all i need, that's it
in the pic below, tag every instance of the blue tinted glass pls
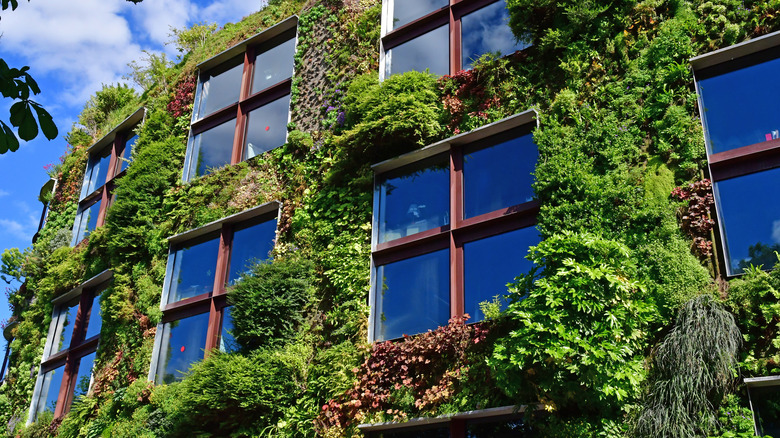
(220, 90)
(97, 171)
(749, 208)
(266, 127)
(412, 295)
(193, 270)
(405, 11)
(741, 107)
(85, 375)
(273, 65)
(424, 432)
(127, 153)
(227, 342)
(182, 345)
(499, 176)
(427, 51)
(487, 30)
(95, 320)
(212, 149)
(50, 391)
(491, 263)
(67, 319)
(87, 221)
(414, 199)
(250, 245)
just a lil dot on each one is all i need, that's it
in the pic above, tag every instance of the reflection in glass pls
(50, 391)
(491, 263)
(251, 244)
(424, 432)
(494, 428)
(182, 345)
(414, 199)
(487, 30)
(97, 171)
(413, 295)
(84, 378)
(766, 409)
(405, 11)
(749, 208)
(67, 319)
(87, 221)
(95, 321)
(273, 66)
(127, 153)
(499, 176)
(212, 149)
(227, 342)
(220, 90)
(427, 51)
(266, 127)
(193, 270)
(725, 99)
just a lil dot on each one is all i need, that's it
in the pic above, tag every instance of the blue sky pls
(72, 48)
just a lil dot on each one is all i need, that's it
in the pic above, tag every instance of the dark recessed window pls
(183, 342)
(242, 102)
(485, 424)
(437, 257)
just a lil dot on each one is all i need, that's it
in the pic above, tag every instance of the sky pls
(72, 48)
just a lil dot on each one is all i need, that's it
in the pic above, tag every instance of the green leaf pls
(22, 117)
(45, 120)
(8, 140)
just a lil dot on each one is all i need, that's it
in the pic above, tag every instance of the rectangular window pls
(242, 102)
(201, 264)
(452, 225)
(69, 353)
(443, 37)
(501, 422)
(108, 159)
(738, 102)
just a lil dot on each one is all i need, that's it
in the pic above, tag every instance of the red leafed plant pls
(696, 221)
(428, 366)
(183, 97)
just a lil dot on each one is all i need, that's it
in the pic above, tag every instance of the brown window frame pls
(247, 102)
(116, 140)
(460, 231)
(450, 16)
(215, 301)
(70, 358)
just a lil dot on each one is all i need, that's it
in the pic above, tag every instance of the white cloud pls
(229, 11)
(13, 228)
(155, 18)
(776, 231)
(4, 193)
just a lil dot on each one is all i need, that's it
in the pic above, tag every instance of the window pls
(502, 422)
(108, 159)
(443, 36)
(452, 225)
(738, 101)
(201, 263)
(242, 101)
(69, 353)
(764, 396)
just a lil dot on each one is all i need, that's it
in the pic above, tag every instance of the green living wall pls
(593, 337)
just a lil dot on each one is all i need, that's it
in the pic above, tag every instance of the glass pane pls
(427, 51)
(741, 107)
(412, 295)
(414, 199)
(266, 127)
(273, 66)
(127, 153)
(492, 428)
(50, 391)
(182, 345)
(487, 30)
(250, 245)
(491, 263)
(499, 176)
(83, 379)
(193, 270)
(95, 320)
(220, 90)
(212, 149)
(749, 209)
(97, 171)
(405, 11)
(427, 432)
(766, 408)
(88, 222)
(66, 321)
(227, 342)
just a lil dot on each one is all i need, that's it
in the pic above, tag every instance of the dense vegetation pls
(594, 335)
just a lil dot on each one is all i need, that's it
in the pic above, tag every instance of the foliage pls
(187, 40)
(735, 419)
(694, 368)
(269, 302)
(102, 111)
(17, 84)
(582, 323)
(12, 265)
(151, 71)
(696, 215)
